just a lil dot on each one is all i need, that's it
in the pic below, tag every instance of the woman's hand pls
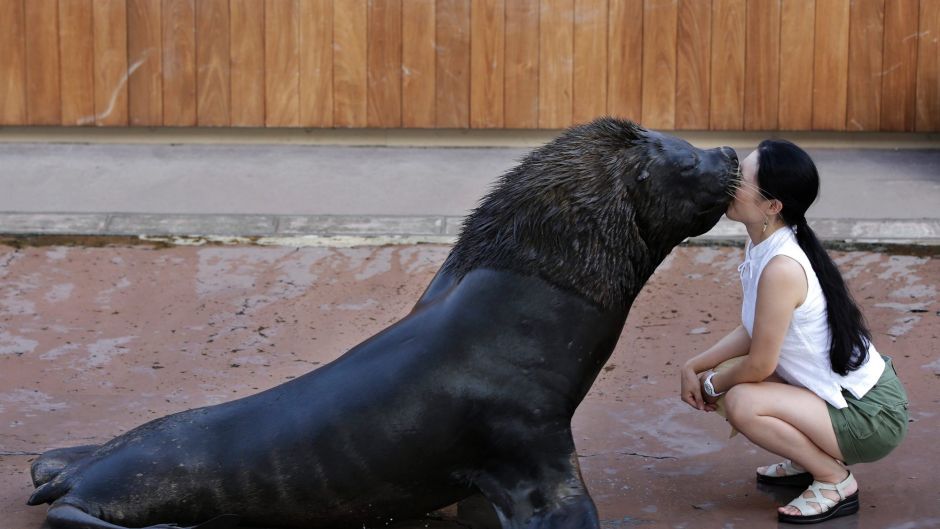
(691, 392)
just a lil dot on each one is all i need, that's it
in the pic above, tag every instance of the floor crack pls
(646, 455)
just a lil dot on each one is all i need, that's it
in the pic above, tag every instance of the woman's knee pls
(740, 403)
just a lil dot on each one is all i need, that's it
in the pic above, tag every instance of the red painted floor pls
(96, 340)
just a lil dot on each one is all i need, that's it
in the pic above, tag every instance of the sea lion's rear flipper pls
(70, 517)
(551, 495)
(50, 463)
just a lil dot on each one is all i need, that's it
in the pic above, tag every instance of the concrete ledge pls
(240, 225)
(368, 229)
(53, 223)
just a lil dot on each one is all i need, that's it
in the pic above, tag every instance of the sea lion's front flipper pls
(551, 496)
(69, 517)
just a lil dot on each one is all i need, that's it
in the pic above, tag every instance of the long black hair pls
(786, 173)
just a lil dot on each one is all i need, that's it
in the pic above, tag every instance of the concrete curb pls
(370, 229)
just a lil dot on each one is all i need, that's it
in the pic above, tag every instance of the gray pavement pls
(305, 192)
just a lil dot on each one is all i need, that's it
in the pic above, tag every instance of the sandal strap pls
(789, 469)
(825, 503)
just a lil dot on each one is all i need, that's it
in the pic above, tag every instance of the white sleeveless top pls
(804, 354)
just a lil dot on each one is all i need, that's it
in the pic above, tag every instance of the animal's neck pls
(557, 339)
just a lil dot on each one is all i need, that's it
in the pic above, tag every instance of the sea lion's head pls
(597, 209)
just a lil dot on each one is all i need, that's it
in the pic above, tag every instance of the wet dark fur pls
(567, 212)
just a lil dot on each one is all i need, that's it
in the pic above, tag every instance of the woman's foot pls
(785, 473)
(822, 501)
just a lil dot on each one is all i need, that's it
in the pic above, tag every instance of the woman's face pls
(748, 204)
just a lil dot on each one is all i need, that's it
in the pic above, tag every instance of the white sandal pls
(831, 508)
(793, 475)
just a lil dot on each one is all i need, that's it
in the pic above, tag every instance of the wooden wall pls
(854, 65)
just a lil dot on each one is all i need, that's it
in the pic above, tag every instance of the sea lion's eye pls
(643, 175)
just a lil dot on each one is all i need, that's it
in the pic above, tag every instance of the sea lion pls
(472, 391)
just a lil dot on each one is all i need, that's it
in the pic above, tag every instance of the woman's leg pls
(789, 421)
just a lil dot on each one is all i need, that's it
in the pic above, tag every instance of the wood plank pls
(727, 78)
(144, 54)
(43, 97)
(899, 78)
(76, 52)
(625, 59)
(350, 24)
(556, 57)
(590, 60)
(213, 71)
(12, 63)
(928, 68)
(866, 47)
(246, 46)
(111, 71)
(281, 63)
(384, 64)
(417, 59)
(693, 64)
(452, 64)
(316, 63)
(797, 20)
(660, 21)
(521, 93)
(762, 65)
(487, 66)
(831, 64)
(179, 63)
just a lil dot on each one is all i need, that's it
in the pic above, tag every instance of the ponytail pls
(848, 348)
(787, 173)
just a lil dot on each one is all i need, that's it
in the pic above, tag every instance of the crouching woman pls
(809, 385)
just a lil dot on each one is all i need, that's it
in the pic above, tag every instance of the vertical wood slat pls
(452, 100)
(797, 20)
(831, 64)
(76, 52)
(144, 54)
(625, 59)
(316, 63)
(12, 63)
(417, 59)
(487, 66)
(521, 94)
(866, 40)
(111, 70)
(384, 63)
(43, 100)
(660, 20)
(590, 60)
(727, 78)
(693, 64)
(350, 21)
(179, 63)
(556, 55)
(213, 72)
(281, 63)
(247, 62)
(899, 77)
(762, 65)
(928, 68)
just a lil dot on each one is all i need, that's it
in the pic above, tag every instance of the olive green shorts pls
(871, 427)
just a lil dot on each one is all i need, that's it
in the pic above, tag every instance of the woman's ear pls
(775, 207)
